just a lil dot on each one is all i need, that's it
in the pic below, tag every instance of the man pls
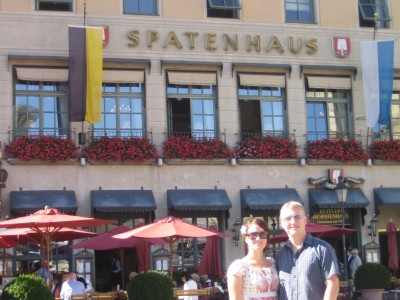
(116, 272)
(71, 287)
(356, 262)
(44, 273)
(307, 266)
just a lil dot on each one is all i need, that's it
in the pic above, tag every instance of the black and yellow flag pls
(85, 73)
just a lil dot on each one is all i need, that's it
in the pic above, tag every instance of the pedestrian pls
(188, 284)
(116, 272)
(356, 262)
(307, 266)
(254, 277)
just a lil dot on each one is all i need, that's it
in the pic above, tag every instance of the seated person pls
(189, 284)
(71, 287)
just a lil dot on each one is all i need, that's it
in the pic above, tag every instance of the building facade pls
(224, 70)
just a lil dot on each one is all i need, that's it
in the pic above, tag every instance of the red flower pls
(268, 147)
(336, 149)
(47, 148)
(385, 150)
(188, 148)
(121, 149)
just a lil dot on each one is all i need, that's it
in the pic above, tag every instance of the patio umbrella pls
(170, 229)
(6, 243)
(106, 241)
(211, 259)
(48, 221)
(317, 230)
(391, 230)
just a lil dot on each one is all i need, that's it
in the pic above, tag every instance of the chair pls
(103, 296)
(79, 297)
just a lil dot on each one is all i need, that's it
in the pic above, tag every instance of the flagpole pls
(84, 13)
(83, 137)
(375, 23)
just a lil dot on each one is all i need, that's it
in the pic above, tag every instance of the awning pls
(42, 74)
(122, 201)
(387, 196)
(123, 76)
(192, 78)
(27, 202)
(199, 200)
(339, 83)
(267, 199)
(324, 198)
(264, 80)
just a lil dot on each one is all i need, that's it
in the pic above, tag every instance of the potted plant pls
(115, 149)
(26, 287)
(371, 279)
(150, 285)
(266, 148)
(44, 148)
(189, 149)
(341, 150)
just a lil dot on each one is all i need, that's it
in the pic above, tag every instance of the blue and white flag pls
(377, 71)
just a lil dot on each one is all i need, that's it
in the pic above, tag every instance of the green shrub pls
(372, 276)
(26, 287)
(151, 285)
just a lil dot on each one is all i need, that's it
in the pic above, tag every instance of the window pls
(143, 7)
(299, 11)
(54, 5)
(262, 108)
(223, 9)
(192, 107)
(187, 252)
(122, 111)
(392, 131)
(328, 112)
(367, 10)
(41, 108)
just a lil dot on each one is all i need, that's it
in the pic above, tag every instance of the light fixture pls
(233, 161)
(159, 161)
(82, 161)
(302, 161)
(236, 230)
(373, 228)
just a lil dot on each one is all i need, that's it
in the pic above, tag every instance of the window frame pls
(100, 129)
(138, 11)
(70, 4)
(41, 94)
(326, 100)
(224, 11)
(311, 10)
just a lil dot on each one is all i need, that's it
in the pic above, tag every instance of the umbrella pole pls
(4, 261)
(170, 242)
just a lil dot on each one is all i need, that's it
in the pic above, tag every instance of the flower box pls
(124, 162)
(330, 162)
(203, 162)
(380, 162)
(16, 161)
(265, 161)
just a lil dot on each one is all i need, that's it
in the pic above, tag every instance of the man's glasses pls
(254, 235)
(295, 218)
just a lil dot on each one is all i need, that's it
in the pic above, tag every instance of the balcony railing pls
(63, 134)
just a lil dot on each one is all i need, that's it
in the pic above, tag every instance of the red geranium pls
(47, 148)
(189, 148)
(385, 150)
(121, 149)
(268, 147)
(336, 149)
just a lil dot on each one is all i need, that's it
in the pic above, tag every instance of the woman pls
(254, 277)
(189, 284)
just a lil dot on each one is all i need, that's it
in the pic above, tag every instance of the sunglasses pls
(296, 218)
(254, 235)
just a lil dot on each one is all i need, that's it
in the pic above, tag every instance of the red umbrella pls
(170, 229)
(211, 259)
(48, 222)
(27, 235)
(391, 230)
(317, 230)
(106, 241)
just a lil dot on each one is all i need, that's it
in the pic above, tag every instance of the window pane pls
(267, 108)
(278, 123)
(137, 121)
(110, 105)
(208, 107)
(321, 124)
(139, 7)
(278, 108)
(197, 107)
(197, 122)
(124, 121)
(209, 122)
(110, 121)
(136, 105)
(48, 104)
(267, 126)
